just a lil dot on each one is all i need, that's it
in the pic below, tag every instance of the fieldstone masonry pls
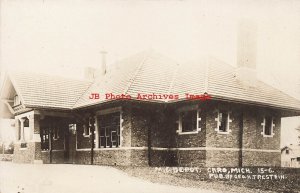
(149, 137)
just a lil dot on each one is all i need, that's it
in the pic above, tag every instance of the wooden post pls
(92, 129)
(50, 142)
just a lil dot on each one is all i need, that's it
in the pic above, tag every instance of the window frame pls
(198, 120)
(45, 138)
(55, 133)
(17, 100)
(263, 124)
(217, 119)
(287, 151)
(86, 129)
(98, 125)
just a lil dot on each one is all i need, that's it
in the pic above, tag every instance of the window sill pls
(188, 133)
(223, 133)
(108, 148)
(268, 136)
(100, 149)
(22, 149)
(86, 135)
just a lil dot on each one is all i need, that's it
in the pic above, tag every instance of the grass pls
(200, 180)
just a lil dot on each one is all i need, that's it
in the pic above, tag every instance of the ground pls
(62, 178)
(27, 178)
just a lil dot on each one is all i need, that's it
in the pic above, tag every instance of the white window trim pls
(272, 127)
(217, 119)
(180, 132)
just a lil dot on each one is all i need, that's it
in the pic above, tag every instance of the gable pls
(43, 91)
(7, 94)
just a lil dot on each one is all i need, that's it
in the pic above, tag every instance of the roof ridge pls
(43, 74)
(73, 106)
(146, 56)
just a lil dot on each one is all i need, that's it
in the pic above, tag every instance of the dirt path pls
(29, 178)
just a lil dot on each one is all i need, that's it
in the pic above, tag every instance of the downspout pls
(241, 126)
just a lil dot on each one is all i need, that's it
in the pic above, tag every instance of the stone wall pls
(24, 155)
(251, 158)
(112, 157)
(45, 156)
(253, 139)
(154, 127)
(58, 156)
(222, 158)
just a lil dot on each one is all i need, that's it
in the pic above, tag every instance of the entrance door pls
(70, 144)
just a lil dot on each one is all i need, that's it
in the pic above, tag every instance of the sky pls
(62, 37)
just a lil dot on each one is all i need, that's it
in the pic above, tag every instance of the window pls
(298, 159)
(23, 145)
(287, 151)
(267, 126)
(86, 129)
(44, 138)
(189, 122)
(109, 130)
(223, 122)
(55, 133)
(72, 128)
(17, 100)
(27, 132)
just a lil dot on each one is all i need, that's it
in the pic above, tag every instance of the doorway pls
(70, 144)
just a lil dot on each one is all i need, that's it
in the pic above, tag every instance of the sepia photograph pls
(149, 96)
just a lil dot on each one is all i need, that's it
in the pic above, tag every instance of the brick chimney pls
(298, 89)
(246, 51)
(93, 73)
(89, 73)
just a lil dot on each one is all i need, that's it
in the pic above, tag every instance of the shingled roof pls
(41, 90)
(146, 73)
(150, 72)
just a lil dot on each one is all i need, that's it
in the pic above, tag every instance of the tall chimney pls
(298, 89)
(89, 73)
(103, 63)
(246, 51)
